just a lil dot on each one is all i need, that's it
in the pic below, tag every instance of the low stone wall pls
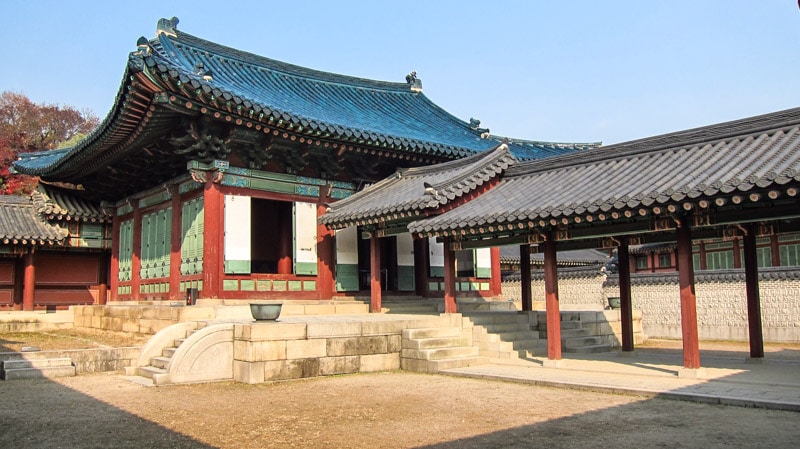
(721, 301)
(19, 321)
(85, 360)
(149, 318)
(721, 304)
(579, 288)
(265, 352)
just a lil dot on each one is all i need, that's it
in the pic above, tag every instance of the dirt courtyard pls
(382, 410)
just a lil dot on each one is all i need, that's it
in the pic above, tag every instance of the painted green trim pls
(309, 286)
(346, 277)
(295, 286)
(437, 272)
(483, 272)
(230, 285)
(405, 278)
(237, 267)
(263, 285)
(305, 268)
(248, 285)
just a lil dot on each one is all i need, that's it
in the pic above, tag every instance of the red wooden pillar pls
(102, 274)
(421, 261)
(626, 303)
(29, 280)
(551, 298)
(691, 344)
(175, 245)
(325, 254)
(525, 277)
(213, 234)
(374, 274)
(496, 284)
(753, 297)
(136, 253)
(449, 278)
(114, 268)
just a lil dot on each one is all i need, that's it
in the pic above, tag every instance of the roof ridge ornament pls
(414, 82)
(475, 124)
(168, 27)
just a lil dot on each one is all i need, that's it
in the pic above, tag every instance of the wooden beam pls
(551, 298)
(449, 279)
(691, 345)
(496, 283)
(626, 303)
(29, 280)
(525, 275)
(752, 292)
(175, 244)
(375, 274)
(213, 219)
(421, 262)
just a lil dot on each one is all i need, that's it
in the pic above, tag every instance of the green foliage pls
(26, 126)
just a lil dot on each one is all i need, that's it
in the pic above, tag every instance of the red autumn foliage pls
(26, 126)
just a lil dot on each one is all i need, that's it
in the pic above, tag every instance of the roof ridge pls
(247, 57)
(771, 122)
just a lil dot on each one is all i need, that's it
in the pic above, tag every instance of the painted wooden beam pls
(449, 279)
(29, 280)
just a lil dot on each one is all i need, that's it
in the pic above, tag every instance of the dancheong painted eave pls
(176, 70)
(734, 167)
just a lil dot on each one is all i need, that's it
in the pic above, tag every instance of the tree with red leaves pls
(26, 126)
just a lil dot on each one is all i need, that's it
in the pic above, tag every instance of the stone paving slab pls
(771, 385)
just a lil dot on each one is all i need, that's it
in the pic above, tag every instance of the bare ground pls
(384, 410)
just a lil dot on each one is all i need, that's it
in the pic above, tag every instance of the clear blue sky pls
(570, 71)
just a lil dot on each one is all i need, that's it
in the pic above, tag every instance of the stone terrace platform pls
(772, 384)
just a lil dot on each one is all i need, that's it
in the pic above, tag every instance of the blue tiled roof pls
(373, 113)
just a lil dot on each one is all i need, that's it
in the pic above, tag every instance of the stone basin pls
(265, 312)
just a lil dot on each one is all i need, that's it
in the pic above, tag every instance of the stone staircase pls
(575, 338)
(505, 335)
(429, 350)
(156, 362)
(37, 368)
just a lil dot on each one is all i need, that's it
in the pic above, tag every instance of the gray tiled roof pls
(59, 204)
(725, 161)
(418, 191)
(20, 224)
(510, 254)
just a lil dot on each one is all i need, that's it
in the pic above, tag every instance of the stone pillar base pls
(692, 373)
(549, 363)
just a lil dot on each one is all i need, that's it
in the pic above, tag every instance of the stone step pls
(409, 309)
(565, 316)
(37, 363)
(168, 352)
(565, 325)
(484, 318)
(511, 336)
(497, 328)
(569, 333)
(432, 332)
(434, 366)
(37, 368)
(433, 343)
(590, 349)
(578, 342)
(178, 341)
(149, 371)
(160, 362)
(439, 353)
